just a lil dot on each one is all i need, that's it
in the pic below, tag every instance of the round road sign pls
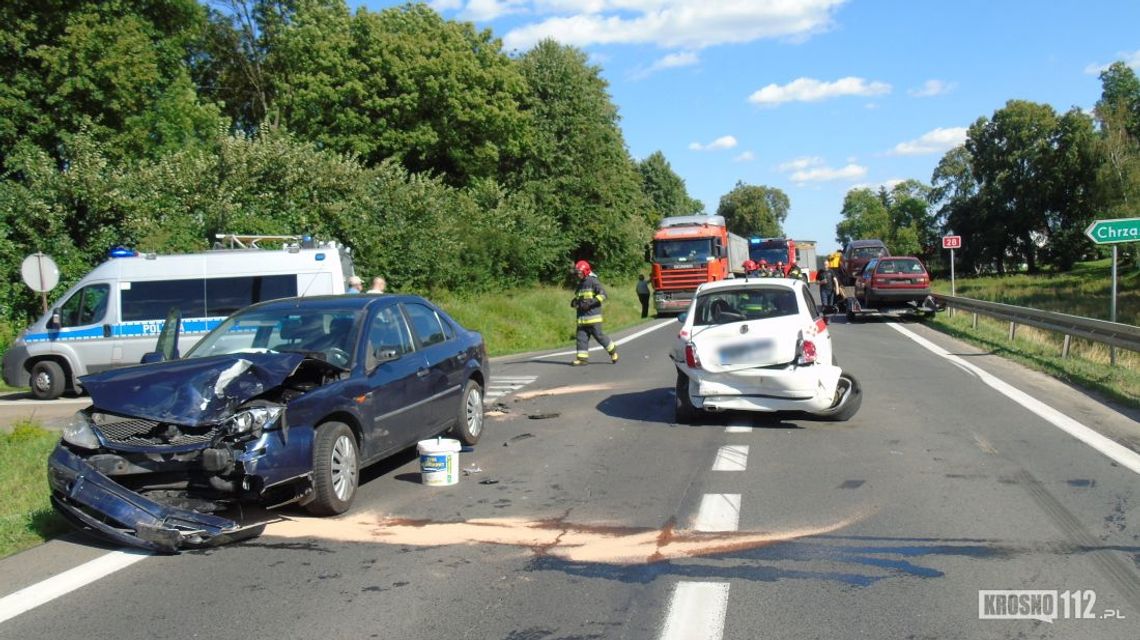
(40, 272)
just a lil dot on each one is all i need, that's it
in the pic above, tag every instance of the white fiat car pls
(759, 344)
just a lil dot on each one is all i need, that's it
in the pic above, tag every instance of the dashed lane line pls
(697, 611)
(499, 387)
(718, 512)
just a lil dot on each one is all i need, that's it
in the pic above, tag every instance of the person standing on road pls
(825, 279)
(355, 284)
(588, 299)
(378, 285)
(643, 295)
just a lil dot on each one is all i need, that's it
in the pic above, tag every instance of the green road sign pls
(1114, 231)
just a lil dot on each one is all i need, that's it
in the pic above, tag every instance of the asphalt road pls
(591, 515)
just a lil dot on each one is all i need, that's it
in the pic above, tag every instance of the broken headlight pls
(78, 432)
(252, 420)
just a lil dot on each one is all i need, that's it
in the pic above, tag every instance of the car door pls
(398, 397)
(444, 362)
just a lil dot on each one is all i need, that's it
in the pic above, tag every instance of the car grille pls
(136, 432)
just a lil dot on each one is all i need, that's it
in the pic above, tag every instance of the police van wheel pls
(47, 380)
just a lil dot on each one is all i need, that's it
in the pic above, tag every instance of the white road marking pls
(499, 387)
(696, 611)
(1120, 454)
(718, 512)
(738, 428)
(64, 583)
(733, 457)
(619, 343)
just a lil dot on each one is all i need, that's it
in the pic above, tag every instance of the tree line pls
(442, 160)
(1021, 190)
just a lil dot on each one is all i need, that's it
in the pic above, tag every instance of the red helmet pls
(582, 267)
(749, 265)
(763, 262)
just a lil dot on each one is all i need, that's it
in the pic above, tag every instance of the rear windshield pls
(868, 252)
(734, 305)
(895, 265)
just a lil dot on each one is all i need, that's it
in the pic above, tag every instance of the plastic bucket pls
(439, 461)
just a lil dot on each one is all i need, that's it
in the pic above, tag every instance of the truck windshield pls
(696, 250)
(771, 253)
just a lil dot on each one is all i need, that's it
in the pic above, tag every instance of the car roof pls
(865, 243)
(736, 283)
(338, 301)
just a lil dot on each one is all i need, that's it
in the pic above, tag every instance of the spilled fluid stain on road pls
(556, 537)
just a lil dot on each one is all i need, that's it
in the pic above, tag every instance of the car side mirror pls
(54, 321)
(152, 356)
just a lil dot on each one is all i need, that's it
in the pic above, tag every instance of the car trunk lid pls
(747, 344)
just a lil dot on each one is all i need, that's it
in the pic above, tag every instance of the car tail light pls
(805, 352)
(691, 358)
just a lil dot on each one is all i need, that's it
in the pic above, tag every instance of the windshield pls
(696, 250)
(771, 254)
(900, 266)
(724, 306)
(868, 252)
(323, 333)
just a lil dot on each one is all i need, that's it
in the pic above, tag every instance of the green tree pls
(581, 171)
(1118, 175)
(865, 216)
(665, 189)
(755, 210)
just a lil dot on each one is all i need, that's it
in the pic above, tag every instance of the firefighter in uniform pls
(588, 299)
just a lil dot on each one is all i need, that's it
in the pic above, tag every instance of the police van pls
(113, 316)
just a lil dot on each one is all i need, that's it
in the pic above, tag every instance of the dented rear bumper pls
(93, 501)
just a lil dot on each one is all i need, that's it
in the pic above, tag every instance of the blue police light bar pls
(122, 252)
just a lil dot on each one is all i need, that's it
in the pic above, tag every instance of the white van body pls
(113, 316)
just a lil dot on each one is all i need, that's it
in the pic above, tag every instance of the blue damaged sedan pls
(283, 403)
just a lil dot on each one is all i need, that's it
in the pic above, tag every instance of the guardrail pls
(1113, 334)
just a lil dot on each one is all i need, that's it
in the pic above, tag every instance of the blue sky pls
(816, 97)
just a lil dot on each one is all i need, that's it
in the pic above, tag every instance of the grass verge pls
(26, 516)
(1087, 366)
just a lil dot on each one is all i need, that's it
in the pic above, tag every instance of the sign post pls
(952, 243)
(1114, 232)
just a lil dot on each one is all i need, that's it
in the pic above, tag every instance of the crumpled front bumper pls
(91, 500)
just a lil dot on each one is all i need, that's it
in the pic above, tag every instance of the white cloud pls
(690, 24)
(812, 169)
(935, 141)
(445, 5)
(888, 184)
(812, 90)
(681, 59)
(486, 10)
(1130, 58)
(827, 174)
(747, 156)
(932, 88)
(800, 163)
(723, 142)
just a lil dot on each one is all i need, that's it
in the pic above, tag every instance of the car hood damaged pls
(193, 391)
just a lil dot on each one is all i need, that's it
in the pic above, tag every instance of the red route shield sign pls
(951, 242)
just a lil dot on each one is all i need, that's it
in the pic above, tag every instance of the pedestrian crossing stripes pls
(501, 386)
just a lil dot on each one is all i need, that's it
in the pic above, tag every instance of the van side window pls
(426, 325)
(86, 306)
(152, 300)
(226, 295)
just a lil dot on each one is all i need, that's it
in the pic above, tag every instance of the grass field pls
(1084, 291)
(26, 516)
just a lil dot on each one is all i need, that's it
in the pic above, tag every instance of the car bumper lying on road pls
(92, 500)
(805, 388)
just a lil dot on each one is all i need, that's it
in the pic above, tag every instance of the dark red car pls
(856, 255)
(895, 280)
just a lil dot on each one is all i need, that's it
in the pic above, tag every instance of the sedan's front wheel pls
(336, 469)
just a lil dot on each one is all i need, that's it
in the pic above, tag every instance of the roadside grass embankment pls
(26, 515)
(1084, 291)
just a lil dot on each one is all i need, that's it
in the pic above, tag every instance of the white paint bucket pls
(439, 461)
